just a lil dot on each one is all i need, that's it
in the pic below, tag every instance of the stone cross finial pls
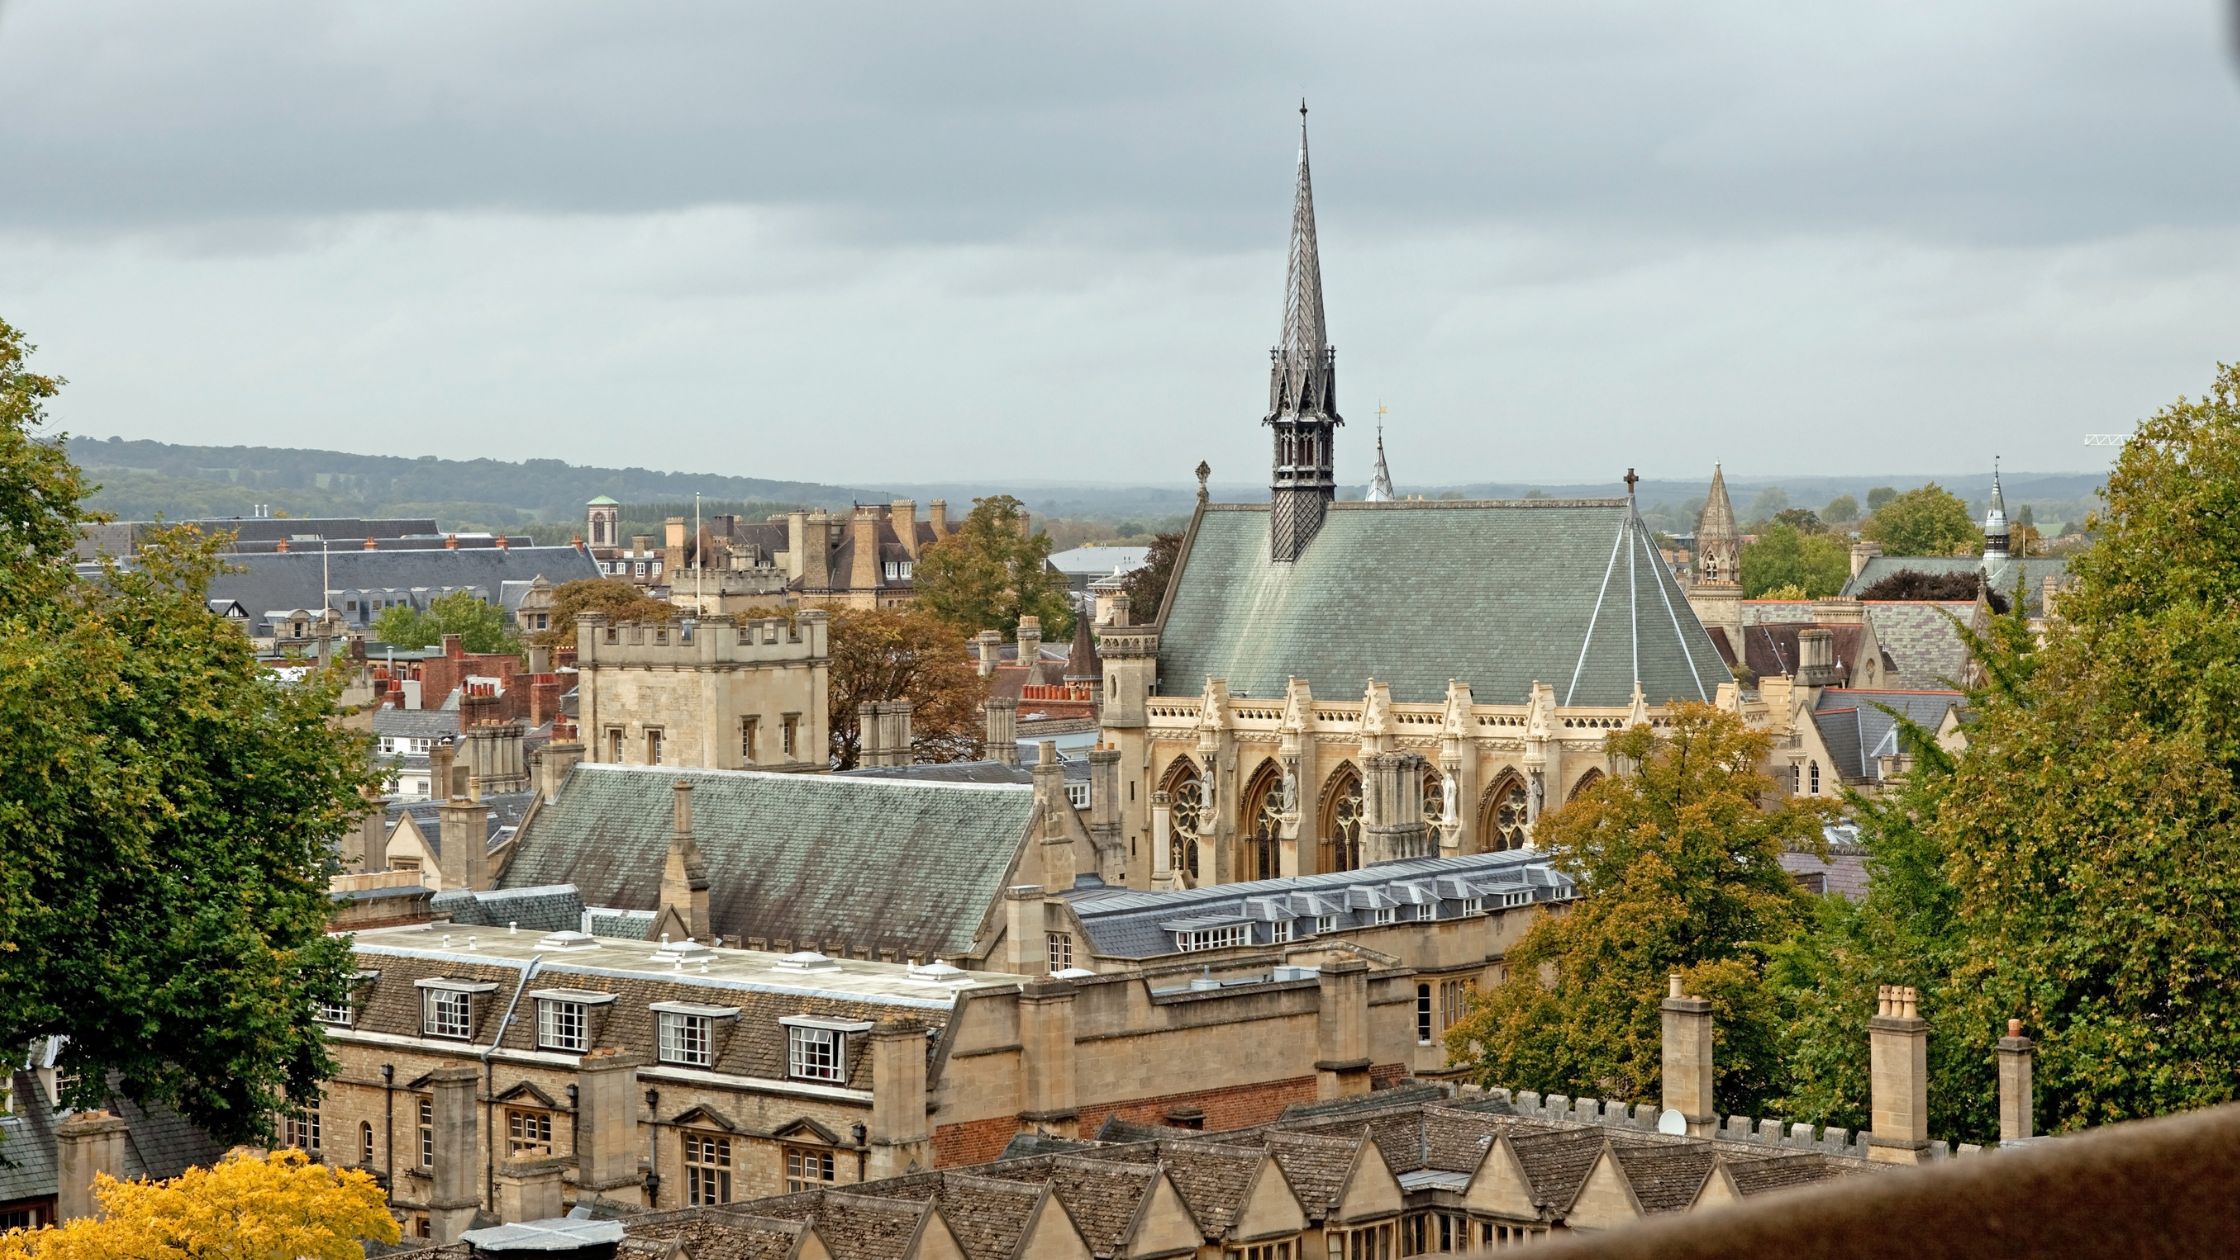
(1631, 482)
(1205, 470)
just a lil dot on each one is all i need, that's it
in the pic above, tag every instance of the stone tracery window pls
(1434, 795)
(1186, 820)
(1505, 814)
(1587, 780)
(1341, 820)
(1260, 825)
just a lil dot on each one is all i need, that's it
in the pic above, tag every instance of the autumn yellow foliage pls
(279, 1206)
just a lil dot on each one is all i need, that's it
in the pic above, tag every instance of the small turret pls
(1995, 522)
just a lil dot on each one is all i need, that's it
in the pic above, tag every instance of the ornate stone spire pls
(1380, 479)
(1995, 519)
(1718, 541)
(1302, 387)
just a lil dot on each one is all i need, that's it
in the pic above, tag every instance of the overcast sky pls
(861, 243)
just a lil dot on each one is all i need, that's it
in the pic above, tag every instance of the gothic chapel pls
(1330, 684)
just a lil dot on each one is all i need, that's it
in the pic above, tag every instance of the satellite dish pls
(1672, 1122)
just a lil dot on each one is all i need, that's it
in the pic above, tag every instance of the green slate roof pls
(1500, 595)
(602, 501)
(859, 864)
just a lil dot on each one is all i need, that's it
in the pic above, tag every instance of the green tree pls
(1841, 510)
(1803, 520)
(280, 1206)
(166, 813)
(1147, 586)
(1783, 556)
(1929, 521)
(2092, 821)
(616, 599)
(904, 654)
(1768, 504)
(481, 627)
(1879, 497)
(992, 571)
(1680, 871)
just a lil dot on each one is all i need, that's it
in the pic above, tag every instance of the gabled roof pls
(1859, 730)
(1498, 594)
(872, 864)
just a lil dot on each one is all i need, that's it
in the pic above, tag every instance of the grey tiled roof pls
(558, 908)
(1500, 595)
(851, 863)
(1923, 638)
(1138, 924)
(158, 1143)
(274, 581)
(1859, 729)
(504, 813)
(945, 772)
(415, 723)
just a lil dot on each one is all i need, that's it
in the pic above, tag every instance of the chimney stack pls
(815, 547)
(1688, 1060)
(899, 734)
(684, 878)
(554, 761)
(463, 835)
(87, 1143)
(1816, 653)
(1898, 1055)
(864, 570)
(870, 735)
(899, 1137)
(990, 644)
(1030, 639)
(440, 757)
(904, 514)
(452, 1201)
(937, 516)
(1003, 730)
(2017, 1106)
(607, 1161)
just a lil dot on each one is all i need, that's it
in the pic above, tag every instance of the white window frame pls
(1325, 924)
(447, 1013)
(563, 1025)
(302, 1129)
(684, 1039)
(1059, 948)
(1474, 905)
(1192, 940)
(1279, 932)
(1384, 914)
(816, 1054)
(339, 1016)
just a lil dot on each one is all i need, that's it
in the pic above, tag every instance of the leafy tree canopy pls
(1680, 867)
(614, 598)
(1916, 585)
(1802, 520)
(1841, 510)
(1880, 496)
(991, 572)
(1147, 586)
(904, 654)
(481, 627)
(1783, 556)
(277, 1207)
(166, 814)
(1930, 521)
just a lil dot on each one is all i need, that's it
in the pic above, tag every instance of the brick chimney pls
(450, 542)
(863, 574)
(87, 1143)
(990, 645)
(1050, 800)
(1688, 1061)
(281, 546)
(904, 514)
(530, 1190)
(1898, 1057)
(2017, 1104)
(607, 1161)
(454, 647)
(1003, 730)
(899, 734)
(372, 545)
(452, 1201)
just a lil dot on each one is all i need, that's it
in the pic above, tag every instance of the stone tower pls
(1716, 591)
(602, 522)
(1302, 388)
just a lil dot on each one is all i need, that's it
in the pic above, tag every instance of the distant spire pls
(1380, 480)
(1995, 519)
(1718, 541)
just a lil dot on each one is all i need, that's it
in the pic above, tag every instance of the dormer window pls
(338, 1014)
(684, 1032)
(564, 1018)
(447, 1007)
(1474, 905)
(1325, 924)
(817, 1049)
(1384, 914)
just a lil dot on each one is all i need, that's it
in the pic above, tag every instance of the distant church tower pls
(1302, 389)
(1995, 537)
(1716, 590)
(602, 519)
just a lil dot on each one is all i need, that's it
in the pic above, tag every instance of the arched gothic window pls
(1504, 814)
(1186, 816)
(1815, 779)
(365, 1143)
(1260, 825)
(1587, 780)
(1434, 796)
(1341, 820)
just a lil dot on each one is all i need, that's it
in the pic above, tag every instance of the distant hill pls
(545, 497)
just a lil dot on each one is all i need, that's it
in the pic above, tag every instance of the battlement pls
(712, 643)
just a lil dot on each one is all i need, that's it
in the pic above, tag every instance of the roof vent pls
(564, 941)
(1072, 973)
(939, 972)
(805, 960)
(679, 952)
(1204, 983)
(1294, 973)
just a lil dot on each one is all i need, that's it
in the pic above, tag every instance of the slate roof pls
(1100, 1194)
(2001, 575)
(1770, 649)
(1500, 595)
(944, 772)
(856, 864)
(1665, 1178)
(1212, 1179)
(1859, 730)
(558, 908)
(1315, 1165)
(158, 1142)
(288, 580)
(1923, 638)
(415, 723)
(503, 813)
(1123, 923)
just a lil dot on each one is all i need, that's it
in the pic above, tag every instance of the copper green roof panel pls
(861, 864)
(1500, 595)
